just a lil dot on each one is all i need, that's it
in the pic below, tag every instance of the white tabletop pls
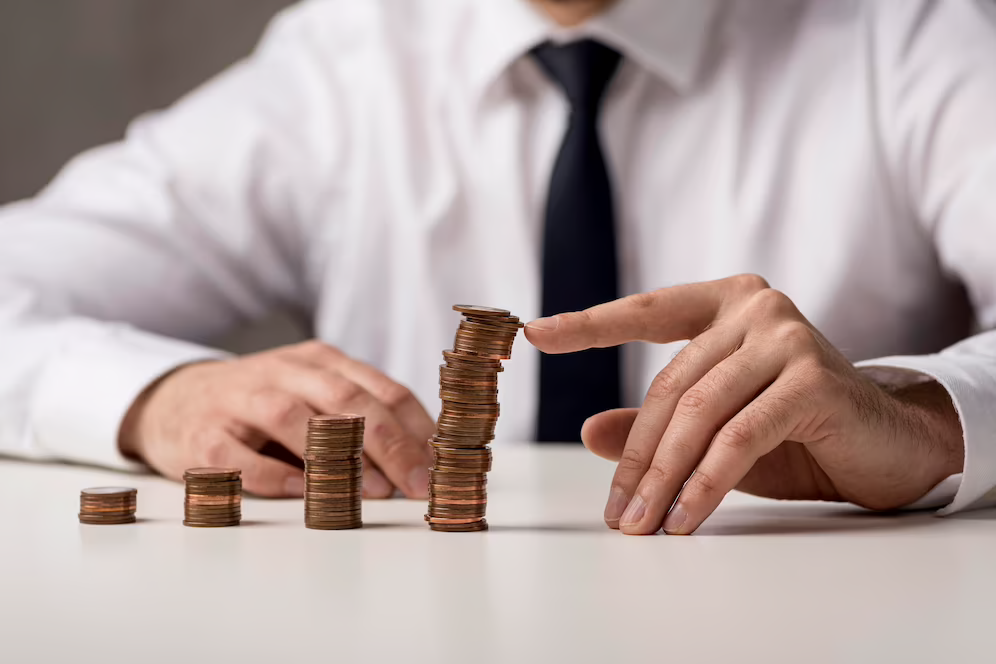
(762, 581)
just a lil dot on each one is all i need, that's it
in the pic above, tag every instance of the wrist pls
(934, 423)
(131, 432)
(129, 435)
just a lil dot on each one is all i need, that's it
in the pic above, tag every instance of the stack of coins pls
(333, 472)
(214, 497)
(108, 505)
(468, 386)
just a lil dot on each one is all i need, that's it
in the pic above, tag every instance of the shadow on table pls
(551, 528)
(782, 520)
(260, 523)
(987, 514)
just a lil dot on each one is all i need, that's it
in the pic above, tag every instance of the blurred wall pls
(74, 72)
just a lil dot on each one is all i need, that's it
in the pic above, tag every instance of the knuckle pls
(750, 283)
(695, 402)
(655, 475)
(396, 395)
(795, 335)
(701, 484)
(276, 408)
(341, 390)
(632, 461)
(312, 346)
(582, 322)
(395, 446)
(643, 300)
(316, 348)
(575, 319)
(214, 452)
(665, 384)
(737, 435)
(769, 303)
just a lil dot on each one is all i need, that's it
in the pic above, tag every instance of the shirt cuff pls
(971, 382)
(87, 388)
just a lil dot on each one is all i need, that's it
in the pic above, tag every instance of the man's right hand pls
(223, 413)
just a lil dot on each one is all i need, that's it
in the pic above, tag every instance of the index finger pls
(661, 316)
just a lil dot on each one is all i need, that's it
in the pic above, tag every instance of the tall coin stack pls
(108, 505)
(468, 386)
(333, 472)
(214, 497)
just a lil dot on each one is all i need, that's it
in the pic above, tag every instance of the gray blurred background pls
(73, 73)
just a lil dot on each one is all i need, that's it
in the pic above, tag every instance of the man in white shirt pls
(377, 161)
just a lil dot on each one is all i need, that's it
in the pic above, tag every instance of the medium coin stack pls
(333, 472)
(108, 505)
(468, 386)
(214, 497)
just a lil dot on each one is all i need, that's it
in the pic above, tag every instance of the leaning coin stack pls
(214, 497)
(468, 387)
(108, 505)
(333, 472)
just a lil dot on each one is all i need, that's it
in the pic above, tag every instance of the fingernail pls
(615, 505)
(294, 486)
(634, 513)
(376, 484)
(545, 324)
(418, 483)
(675, 520)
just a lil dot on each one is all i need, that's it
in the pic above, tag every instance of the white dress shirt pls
(376, 161)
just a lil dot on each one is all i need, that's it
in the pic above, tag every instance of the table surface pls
(762, 581)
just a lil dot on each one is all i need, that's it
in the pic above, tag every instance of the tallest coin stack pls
(468, 386)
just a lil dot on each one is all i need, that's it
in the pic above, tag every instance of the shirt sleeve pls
(140, 253)
(936, 70)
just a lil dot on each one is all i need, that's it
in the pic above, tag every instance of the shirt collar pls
(668, 37)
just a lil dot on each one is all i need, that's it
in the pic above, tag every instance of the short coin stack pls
(468, 386)
(214, 497)
(108, 505)
(333, 472)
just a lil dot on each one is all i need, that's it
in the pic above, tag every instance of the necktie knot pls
(583, 69)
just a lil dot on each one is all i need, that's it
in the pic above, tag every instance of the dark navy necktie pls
(579, 242)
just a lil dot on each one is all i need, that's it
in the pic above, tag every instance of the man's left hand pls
(758, 400)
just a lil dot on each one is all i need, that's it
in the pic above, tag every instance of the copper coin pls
(474, 372)
(214, 486)
(479, 526)
(456, 511)
(459, 501)
(339, 418)
(90, 521)
(107, 511)
(505, 322)
(449, 522)
(477, 310)
(200, 524)
(86, 507)
(442, 477)
(454, 358)
(216, 502)
(213, 473)
(109, 491)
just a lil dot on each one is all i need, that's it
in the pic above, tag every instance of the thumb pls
(605, 434)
